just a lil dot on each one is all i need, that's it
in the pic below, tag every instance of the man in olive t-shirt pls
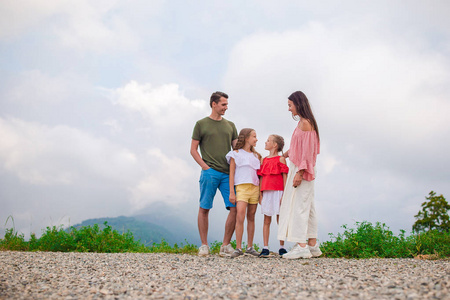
(215, 136)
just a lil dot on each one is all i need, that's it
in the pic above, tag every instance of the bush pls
(54, 239)
(13, 241)
(164, 247)
(368, 241)
(364, 241)
(92, 239)
(86, 239)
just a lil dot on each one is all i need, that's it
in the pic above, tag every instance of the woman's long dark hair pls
(304, 109)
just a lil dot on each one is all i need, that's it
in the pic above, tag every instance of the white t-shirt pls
(246, 165)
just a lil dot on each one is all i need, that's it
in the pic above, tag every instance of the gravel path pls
(47, 275)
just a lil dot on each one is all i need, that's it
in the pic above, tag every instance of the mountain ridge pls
(172, 230)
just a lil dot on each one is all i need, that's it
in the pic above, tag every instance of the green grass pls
(90, 239)
(366, 240)
(369, 241)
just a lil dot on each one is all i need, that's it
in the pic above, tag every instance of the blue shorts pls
(210, 181)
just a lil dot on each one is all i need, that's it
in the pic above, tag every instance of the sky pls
(98, 100)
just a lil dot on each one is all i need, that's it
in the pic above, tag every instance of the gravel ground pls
(49, 275)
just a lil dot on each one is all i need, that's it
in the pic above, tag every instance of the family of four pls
(245, 179)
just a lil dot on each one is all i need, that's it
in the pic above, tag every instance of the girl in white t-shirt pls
(244, 162)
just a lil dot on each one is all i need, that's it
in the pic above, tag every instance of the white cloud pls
(43, 155)
(170, 180)
(329, 162)
(82, 25)
(21, 15)
(36, 88)
(162, 106)
(113, 125)
(90, 28)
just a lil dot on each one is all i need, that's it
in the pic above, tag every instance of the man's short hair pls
(215, 97)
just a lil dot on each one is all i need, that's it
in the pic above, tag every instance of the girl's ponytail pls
(279, 140)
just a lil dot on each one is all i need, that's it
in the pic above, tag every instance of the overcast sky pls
(98, 100)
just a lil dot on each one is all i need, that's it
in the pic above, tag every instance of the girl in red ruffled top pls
(273, 174)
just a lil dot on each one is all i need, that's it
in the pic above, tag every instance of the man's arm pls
(196, 155)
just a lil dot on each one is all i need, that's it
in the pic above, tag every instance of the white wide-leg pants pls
(298, 221)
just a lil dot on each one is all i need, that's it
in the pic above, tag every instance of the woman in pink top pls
(298, 222)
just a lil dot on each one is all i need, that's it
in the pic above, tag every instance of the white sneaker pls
(315, 250)
(203, 250)
(298, 252)
(226, 251)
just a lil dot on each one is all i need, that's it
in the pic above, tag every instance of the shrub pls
(92, 239)
(164, 247)
(364, 241)
(368, 240)
(54, 239)
(13, 241)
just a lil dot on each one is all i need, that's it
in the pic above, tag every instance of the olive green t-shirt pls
(215, 141)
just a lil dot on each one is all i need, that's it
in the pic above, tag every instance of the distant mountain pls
(171, 229)
(180, 220)
(147, 232)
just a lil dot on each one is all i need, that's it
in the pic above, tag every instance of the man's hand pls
(196, 155)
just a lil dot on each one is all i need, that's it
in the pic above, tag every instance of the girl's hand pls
(260, 198)
(233, 198)
(297, 180)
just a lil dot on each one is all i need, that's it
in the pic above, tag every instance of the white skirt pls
(270, 202)
(298, 221)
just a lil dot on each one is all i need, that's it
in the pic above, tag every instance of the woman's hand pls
(232, 197)
(260, 197)
(297, 179)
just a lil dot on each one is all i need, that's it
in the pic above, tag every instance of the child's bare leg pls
(251, 223)
(241, 208)
(266, 230)
(278, 222)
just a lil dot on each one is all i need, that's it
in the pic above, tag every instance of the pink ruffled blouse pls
(303, 151)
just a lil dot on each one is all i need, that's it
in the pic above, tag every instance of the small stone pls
(412, 296)
(105, 292)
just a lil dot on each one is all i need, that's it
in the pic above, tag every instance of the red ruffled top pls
(272, 174)
(303, 151)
